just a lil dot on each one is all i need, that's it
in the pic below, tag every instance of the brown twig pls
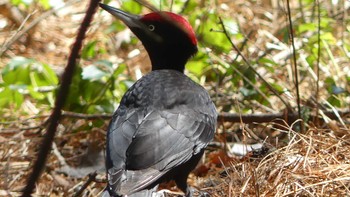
(244, 43)
(92, 177)
(60, 100)
(318, 60)
(296, 77)
(147, 5)
(86, 116)
(18, 34)
(301, 8)
(223, 116)
(185, 5)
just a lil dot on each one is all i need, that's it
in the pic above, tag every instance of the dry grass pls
(316, 163)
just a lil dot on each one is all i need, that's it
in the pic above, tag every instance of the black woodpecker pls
(165, 120)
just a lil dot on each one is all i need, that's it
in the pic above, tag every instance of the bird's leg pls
(181, 182)
(203, 194)
(191, 190)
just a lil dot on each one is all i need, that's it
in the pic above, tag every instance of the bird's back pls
(163, 121)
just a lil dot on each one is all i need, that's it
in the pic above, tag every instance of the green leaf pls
(104, 106)
(35, 94)
(10, 97)
(18, 98)
(131, 6)
(5, 97)
(74, 98)
(327, 36)
(325, 23)
(191, 6)
(211, 32)
(89, 51)
(335, 101)
(120, 69)
(307, 27)
(196, 67)
(90, 90)
(106, 65)
(17, 62)
(25, 77)
(277, 87)
(247, 92)
(116, 26)
(19, 75)
(45, 4)
(18, 2)
(49, 74)
(268, 62)
(249, 74)
(17, 71)
(42, 76)
(92, 72)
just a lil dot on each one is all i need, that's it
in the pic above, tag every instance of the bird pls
(165, 120)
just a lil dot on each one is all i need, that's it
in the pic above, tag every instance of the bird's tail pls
(143, 193)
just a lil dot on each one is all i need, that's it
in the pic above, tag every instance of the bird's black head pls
(168, 38)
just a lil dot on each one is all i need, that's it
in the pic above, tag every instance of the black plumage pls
(165, 120)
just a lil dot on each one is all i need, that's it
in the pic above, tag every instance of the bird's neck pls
(168, 61)
(163, 66)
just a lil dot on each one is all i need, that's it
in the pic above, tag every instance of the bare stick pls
(92, 177)
(60, 100)
(147, 5)
(318, 60)
(185, 5)
(296, 78)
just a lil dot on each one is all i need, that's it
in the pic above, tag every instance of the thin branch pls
(223, 116)
(250, 66)
(318, 60)
(85, 116)
(301, 7)
(244, 43)
(296, 77)
(147, 5)
(256, 118)
(60, 100)
(171, 5)
(185, 5)
(92, 177)
(18, 34)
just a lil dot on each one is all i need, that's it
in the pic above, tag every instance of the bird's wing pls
(165, 139)
(122, 128)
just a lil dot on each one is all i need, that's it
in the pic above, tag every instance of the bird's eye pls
(151, 27)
